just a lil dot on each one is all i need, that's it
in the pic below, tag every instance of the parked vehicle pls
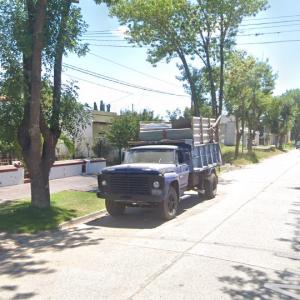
(159, 168)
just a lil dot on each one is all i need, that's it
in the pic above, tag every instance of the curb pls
(88, 218)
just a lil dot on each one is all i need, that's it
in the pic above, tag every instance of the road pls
(244, 244)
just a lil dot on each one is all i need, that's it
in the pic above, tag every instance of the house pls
(94, 132)
(228, 132)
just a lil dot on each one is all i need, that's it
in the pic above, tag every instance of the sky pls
(272, 35)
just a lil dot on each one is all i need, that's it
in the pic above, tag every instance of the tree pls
(261, 82)
(281, 115)
(35, 35)
(295, 94)
(237, 91)
(215, 23)
(203, 29)
(125, 128)
(249, 85)
(158, 24)
(187, 113)
(74, 116)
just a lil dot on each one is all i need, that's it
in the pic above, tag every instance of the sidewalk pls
(77, 183)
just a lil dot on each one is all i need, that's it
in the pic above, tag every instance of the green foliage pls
(15, 39)
(102, 148)
(228, 156)
(186, 29)
(70, 145)
(281, 115)
(295, 95)
(248, 87)
(205, 111)
(125, 128)
(73, 119)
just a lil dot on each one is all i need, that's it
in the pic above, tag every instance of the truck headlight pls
(104, 183)
(156, 184)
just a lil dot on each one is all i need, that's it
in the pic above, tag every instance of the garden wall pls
(11, 175)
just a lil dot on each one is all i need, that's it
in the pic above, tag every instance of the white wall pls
(66, 168)
(93, 167)
(76, 167)
(10, 175)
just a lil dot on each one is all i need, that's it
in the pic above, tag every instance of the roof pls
(153, 147)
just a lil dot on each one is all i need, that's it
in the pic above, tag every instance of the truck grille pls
(129, 184)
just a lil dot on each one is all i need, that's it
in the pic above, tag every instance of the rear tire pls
(210, 186)
(168, 208)
(114, 208)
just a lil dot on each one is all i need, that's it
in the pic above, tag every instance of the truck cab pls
(145, 178)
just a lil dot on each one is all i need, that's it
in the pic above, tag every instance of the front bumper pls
(132, 198)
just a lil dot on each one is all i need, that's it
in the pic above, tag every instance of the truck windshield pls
(158, 156)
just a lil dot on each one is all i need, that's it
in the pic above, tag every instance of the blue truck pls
(157, 170)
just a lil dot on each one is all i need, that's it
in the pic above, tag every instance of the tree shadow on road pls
(294, 242)
(18, 255)
(252, 283)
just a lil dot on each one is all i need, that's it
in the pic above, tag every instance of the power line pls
(267, 27)
(103, 31)
(121, 98)
(117, 81)
(113, 46)
(101, 34)
(96, 40)
(269, 42)
(132, 69)
(267, 33)
(268, 18)
(267, 23)
(98, 84)
(116, 32)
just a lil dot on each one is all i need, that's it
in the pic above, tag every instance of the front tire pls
(114, 208)
(168, 208)
(210, 186)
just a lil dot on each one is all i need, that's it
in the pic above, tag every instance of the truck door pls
(182, 169)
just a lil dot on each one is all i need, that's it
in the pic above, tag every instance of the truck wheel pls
(210, 186)
(168, 208)
(114, 208)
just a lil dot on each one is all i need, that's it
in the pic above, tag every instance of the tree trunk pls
(30, 133)
(281, 141)
(195, 104)
(40, 191)
(59, 51)
(213, 93)
(250, 138)
(39, 156)
(221, 89)
(238, 138)
(120, 155)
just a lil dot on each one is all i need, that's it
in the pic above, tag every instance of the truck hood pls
(154, 169)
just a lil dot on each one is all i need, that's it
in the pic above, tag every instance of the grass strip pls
(20, 217)
(246, 158)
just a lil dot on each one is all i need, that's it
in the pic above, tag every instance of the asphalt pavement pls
(244, 244)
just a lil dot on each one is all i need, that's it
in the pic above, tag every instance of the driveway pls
(78, 183)
(244, 244)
